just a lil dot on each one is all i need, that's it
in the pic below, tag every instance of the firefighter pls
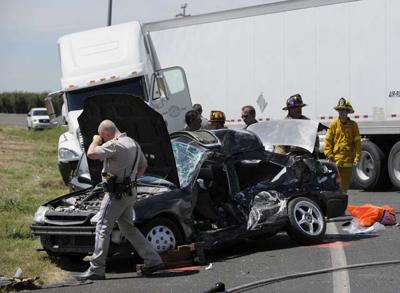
(294, 107)
(343, 143)
(217, 120)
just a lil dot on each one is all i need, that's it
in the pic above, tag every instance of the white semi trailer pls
(322, 49)
(113, 59)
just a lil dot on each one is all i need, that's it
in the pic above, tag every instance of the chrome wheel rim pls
(366, 168)
(308, 218)
(396, 166)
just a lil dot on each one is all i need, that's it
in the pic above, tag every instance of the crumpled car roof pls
(293, 132)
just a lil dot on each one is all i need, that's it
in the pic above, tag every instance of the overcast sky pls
(29, 30)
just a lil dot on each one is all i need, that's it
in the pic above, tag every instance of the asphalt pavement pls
(13, 119)
(278, 258)
(17, 120)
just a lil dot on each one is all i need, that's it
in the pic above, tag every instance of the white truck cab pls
(113, 59)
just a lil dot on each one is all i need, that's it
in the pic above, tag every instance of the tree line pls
(21, 102)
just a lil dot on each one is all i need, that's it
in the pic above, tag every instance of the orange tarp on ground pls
(368, 214)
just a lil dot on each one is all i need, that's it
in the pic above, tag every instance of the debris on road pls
(183, 256)
(354, 227)
(17, 283)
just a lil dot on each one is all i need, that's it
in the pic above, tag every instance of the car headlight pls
(35, 120)
(67, 155)
(39, 217)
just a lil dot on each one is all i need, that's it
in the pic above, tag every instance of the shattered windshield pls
(188, 159)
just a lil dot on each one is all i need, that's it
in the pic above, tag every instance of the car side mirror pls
(29, 115)
(84, 179)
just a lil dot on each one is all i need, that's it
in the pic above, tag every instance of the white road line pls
(341, 281)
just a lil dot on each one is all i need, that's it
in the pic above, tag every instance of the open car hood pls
(133, 116)
(293, 132)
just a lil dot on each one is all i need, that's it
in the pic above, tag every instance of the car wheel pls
(394, 165)
(371, 172)
(163, 234)
(307, 222)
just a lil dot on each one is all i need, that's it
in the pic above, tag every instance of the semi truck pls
(113, 59)
(322, 49)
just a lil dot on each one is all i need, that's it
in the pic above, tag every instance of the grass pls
(28, 178)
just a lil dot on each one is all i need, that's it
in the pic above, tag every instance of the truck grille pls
(44, 120)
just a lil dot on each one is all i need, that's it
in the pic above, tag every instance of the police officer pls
(123, 161)
(343, 143)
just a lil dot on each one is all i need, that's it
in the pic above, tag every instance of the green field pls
(28, 178)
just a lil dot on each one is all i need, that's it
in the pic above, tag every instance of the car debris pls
(209, 267)
(18, 282)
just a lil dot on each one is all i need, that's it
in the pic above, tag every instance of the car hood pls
(133, 116)
(293, 132)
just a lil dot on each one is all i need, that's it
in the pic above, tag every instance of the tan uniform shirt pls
(119, 155)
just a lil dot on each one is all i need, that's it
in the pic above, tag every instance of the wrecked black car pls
(204, 186)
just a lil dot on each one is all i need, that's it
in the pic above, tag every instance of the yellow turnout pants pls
(346, 174)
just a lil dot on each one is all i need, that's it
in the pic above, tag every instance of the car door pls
(170, 96)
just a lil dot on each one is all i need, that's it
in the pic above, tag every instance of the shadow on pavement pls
(329, 238)
(250, 246)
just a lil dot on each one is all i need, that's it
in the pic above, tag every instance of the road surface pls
(275, 257)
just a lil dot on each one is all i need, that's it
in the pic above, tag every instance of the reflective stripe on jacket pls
(343, 143)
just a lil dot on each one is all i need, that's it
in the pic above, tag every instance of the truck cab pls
(114, 59)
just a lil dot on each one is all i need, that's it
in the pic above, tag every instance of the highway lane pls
(13, 119)
(18, 120)
(278, 256)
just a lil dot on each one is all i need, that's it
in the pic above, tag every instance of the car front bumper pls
(41, 125)
(63, 240)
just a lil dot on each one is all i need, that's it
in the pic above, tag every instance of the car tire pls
(163, 234)
(307, 221)
(371, 171)
(394, 165)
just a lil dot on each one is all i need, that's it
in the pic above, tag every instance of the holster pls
(118, 189)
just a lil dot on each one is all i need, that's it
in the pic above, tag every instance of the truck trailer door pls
(170, 96)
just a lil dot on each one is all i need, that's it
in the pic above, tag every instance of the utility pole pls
(109, 12)
(183, 13)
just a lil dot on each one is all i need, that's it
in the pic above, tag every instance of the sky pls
(29, 30)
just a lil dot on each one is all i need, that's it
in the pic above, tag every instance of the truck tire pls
(394, 165)
(371, 172)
